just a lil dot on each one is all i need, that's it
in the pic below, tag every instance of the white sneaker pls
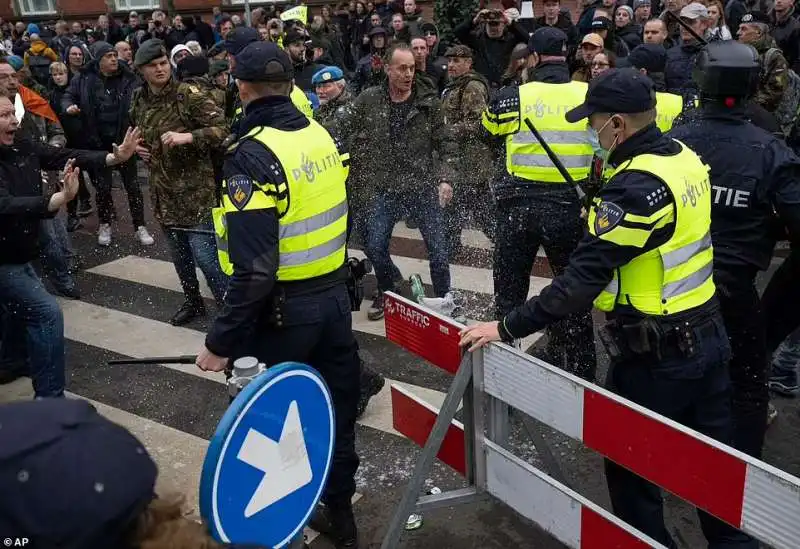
(104, 234)
(143, 236)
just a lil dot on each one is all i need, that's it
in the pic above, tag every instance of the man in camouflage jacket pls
(463, 101)
(754, 30)
(181, 126)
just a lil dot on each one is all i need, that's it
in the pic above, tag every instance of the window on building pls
(37, 7)
(127, 5)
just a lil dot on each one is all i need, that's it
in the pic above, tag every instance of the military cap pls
(755, 17)
(78, 480)
(458, 51)
(149, 51)
(238, 38)
(263, 62)
(375, 31)
(616, 91)
(216, 67)
(294, 36)
(327, 74)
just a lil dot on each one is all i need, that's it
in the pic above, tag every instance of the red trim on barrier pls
(415, 421)
(426, 335)
(597, 532)
(691, 469)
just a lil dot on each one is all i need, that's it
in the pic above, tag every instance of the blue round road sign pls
(269, 459)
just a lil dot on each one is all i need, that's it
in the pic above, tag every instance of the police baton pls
(687, 27)
(183, 359)
(556, 161)
(189, 230)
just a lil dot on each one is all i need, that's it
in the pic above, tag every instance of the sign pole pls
(461, 382)
(247, 18)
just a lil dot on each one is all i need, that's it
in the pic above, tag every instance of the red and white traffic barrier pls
(744, 492)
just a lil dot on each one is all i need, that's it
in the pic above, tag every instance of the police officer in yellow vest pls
(535, 206)
(647, 261)
(282, 228)
(651, 60)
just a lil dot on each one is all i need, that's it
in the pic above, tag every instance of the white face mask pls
(599, 150)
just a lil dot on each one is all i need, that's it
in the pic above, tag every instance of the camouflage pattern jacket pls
(334, 113)
(181, 178)
(774, 75)
(207, 86)
(463, 102)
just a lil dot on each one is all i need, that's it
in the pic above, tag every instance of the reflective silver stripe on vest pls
(552, 137)
(613, 286)
(311, 224)
(543, 161)
(222, 243)
(682, 255)
(291, 259)
(694, 280)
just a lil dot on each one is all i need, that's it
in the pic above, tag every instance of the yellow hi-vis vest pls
(677, 275)
(668, 107)
(545, 105)
(311, 205)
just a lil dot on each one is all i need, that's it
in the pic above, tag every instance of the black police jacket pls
(593, 263)
(22, 205)
(678, 71)
(753, 174)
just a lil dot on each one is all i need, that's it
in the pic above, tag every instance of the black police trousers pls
(317, 330)
(780, 301)
(744, 322)
(693, 391)
(551, 219)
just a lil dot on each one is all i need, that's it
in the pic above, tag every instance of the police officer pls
(283, 240)
(535, 206)
(753, 175)
(647, 262)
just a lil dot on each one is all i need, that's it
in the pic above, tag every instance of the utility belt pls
(297, 288)
(656, 338)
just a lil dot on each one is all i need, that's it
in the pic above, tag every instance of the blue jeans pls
(787, 356)
(56, 252)
(388, 209)
(31, 315)
(192, 250)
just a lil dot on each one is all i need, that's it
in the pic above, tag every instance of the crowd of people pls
(425, 129)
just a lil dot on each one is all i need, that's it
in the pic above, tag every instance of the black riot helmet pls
(727, 69)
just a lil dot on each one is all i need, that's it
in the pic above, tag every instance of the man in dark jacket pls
(786, 32)
(554, 17)
(101, 96)
(395, 129)
(680, 59)
(295, 44)
(369, 69)
(33, 326)
(491, 39)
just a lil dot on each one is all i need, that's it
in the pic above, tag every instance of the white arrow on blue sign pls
(269, 459)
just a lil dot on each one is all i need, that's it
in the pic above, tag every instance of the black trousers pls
(779, 301)
(744, 322)
(102, 179)
(693, 391)
(317, 330)
(83, 196)
(551, 220)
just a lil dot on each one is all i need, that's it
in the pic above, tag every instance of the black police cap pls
(548, 41)
(727, 69)
(625, 91)
(240, 37)
(263, 62)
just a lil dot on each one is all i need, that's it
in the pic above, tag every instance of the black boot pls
(371, 384)
(191, 309)
(337, 523)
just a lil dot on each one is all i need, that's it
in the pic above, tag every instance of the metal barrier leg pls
(408, 503)
(498, 421)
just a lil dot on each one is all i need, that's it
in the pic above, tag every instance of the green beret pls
(149, 51)
(217, 67)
